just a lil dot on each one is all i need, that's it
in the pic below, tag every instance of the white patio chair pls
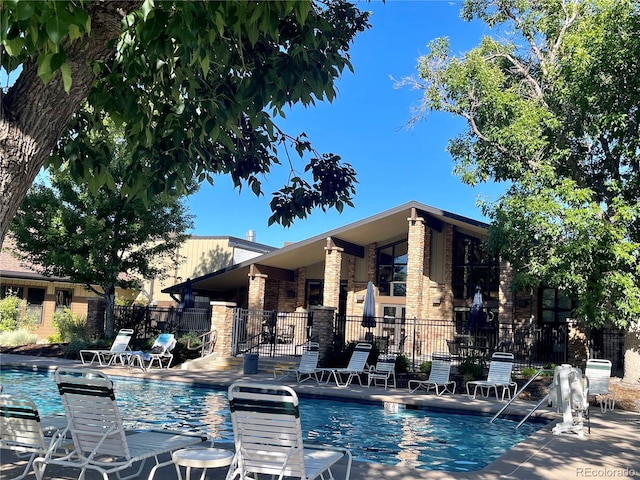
(159, 354)
(598, 372)
(306, 369)
(116, 353)
(356, 367)
(499, 377)
(22, 431)
(268, 439)
(384, 371)
(100, 442)
(439, 376)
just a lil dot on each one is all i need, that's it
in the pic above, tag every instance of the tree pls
(195, 85)
(100, 237)
(552, 110)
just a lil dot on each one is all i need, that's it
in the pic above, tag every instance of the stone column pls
(257, 289)
(222, 322)
(96, 308)
(332, 269)
(323, 329)
(415, 267)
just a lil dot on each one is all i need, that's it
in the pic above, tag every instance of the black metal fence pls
(532, 346)
(270, 333)
(149, 321)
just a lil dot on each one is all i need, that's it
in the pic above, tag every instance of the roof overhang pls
(352, 238)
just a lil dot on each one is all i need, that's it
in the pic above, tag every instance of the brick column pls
(257, 284)
(222, 321)
(415, 267)
(322, 329)
(332, 269)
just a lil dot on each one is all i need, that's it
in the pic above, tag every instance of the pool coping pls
(612, 448)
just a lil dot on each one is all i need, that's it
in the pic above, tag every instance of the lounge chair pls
(439, 376)
(100, 442)
(22, 431)
(306, 369)
(268, 440)
(354, 369)
(598, 372)
(160, 353)
(499, 377)
(385, 370)
(109, 357)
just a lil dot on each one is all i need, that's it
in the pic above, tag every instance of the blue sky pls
(364, 125)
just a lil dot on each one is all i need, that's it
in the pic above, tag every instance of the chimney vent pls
(251, 235)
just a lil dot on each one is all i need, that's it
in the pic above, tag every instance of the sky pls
(366, 126)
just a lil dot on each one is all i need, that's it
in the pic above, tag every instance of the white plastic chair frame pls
(439, 377)
(499, 376)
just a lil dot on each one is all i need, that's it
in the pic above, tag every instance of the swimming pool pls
(414, 438)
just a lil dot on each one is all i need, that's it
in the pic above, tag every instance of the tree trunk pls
(33, 115)
(632, 354)
(110, 314)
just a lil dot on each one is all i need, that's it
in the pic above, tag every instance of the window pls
(35, 300)
(555, 307)
(8, 290)
(63, 299)
(314, 292)
(473, 266)
(392, 269)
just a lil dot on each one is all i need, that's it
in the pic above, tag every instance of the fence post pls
(413, 346)
(323, 328)
(222, 321)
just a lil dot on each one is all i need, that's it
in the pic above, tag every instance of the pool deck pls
(611, 450)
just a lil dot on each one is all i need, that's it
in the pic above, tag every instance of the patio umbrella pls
(476, 316)
(186, 298)
(369, 309)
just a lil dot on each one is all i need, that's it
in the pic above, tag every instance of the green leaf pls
(146, 8)
(57, 28)
(65, 70)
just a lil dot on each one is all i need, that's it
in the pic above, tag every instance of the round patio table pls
(200, 458)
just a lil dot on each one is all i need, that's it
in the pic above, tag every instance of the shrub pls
(528, 372)
(425, 367)
(72, 350)
(70, 326)
(17, 337)
(471, 367)
(9, 313)
(402, 363)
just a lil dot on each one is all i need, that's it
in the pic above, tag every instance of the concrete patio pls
(612, 450)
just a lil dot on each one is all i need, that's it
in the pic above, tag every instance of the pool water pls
(414, 438)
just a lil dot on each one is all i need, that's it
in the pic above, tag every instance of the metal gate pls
(269, 333)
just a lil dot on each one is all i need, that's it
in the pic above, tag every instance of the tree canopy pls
(196, 87)
(551, 105)
(99, 237)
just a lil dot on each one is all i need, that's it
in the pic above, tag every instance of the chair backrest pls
(164, 343)
(440, 368)
(121, 342)
(20, 427)
(266, 429)
(500, 367)
(598, 372)
(359, 357)
(386, 365)
(93, 416)
(309, 359)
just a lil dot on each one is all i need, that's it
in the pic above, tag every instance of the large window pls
(35, 301)
(473, 266)
(555, 307)
(392, 269)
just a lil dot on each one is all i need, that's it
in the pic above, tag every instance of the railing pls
(149, 321)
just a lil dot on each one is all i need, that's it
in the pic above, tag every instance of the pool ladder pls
(526, 417)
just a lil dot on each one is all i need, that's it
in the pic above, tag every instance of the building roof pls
(375, 229)
(12, 267)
